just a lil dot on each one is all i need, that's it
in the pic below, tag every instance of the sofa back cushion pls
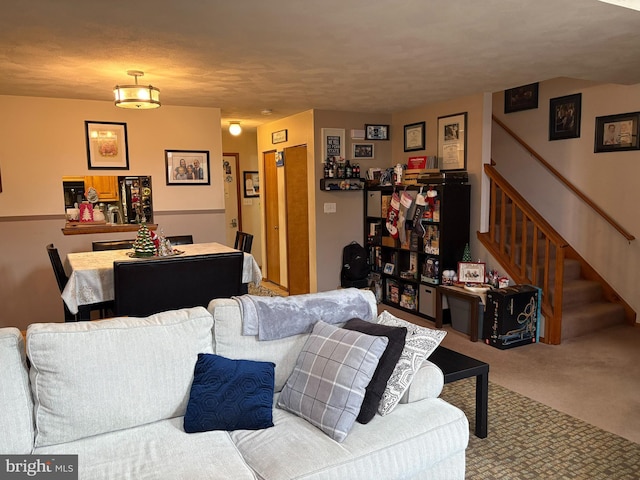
(89, 378)
(16, 406)
(229, 342)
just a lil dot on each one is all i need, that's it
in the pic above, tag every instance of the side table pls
(457, 366)
(469, 297)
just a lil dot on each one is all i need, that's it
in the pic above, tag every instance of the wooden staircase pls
(575, 299)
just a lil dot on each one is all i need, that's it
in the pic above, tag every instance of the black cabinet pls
(410, 270)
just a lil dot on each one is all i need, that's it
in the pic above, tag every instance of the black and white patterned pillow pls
(419, 344)
(327, 385)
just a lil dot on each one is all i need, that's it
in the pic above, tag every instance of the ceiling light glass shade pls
(235, 129)
(136, 96)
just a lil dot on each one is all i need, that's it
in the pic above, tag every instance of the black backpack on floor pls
(355, 266)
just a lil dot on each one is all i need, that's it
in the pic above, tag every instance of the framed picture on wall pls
(521, 98)
(107, 145)
(414, 136)
(376, 132)
(332, 144)
(362, 151)
(564, 117)
(187, 167)
(452, 142)
(617, 133)
(251, 182)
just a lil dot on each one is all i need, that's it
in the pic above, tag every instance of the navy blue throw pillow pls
(230, 395)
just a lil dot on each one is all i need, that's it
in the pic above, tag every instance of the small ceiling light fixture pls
(266, 111)
(136, 96)
(235, 129)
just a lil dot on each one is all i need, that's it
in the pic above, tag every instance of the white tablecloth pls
(91, 273)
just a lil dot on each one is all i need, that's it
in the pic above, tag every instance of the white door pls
(233, 211)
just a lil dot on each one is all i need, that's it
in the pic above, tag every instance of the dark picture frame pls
(280, 136)
(107, 147)
(617, 133)
(177, 163)
(376, 132)
(251, 183)
(452, 142)
(565, 117)
(362, 151)
(524, 97)
(414, 136)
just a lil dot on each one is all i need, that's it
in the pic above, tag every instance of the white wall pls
(42, 140)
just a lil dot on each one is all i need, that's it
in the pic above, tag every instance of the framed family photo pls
(521, 98)
(362, 151)
(617, 133)
(471, 272)
(452, 142)
(107, 145)
(564, 117)
(414, 136)
(187, 167)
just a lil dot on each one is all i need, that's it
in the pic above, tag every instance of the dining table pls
(91, 273)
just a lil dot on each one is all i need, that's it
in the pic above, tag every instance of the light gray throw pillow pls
(328, 383)
(419, 344)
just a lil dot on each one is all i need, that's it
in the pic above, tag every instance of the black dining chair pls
(112, 245)
(151, 286)
(180, 239)
(243, 241)
(84, 312)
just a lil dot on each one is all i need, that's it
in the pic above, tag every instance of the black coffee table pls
(457, 366)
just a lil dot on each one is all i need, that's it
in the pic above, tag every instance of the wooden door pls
(271, 216)
(297, 208)
(232, 208)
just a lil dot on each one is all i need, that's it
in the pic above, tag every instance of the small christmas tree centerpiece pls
(143, 245)
(466, 255)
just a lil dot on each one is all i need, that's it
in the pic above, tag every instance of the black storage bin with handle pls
(355, 266)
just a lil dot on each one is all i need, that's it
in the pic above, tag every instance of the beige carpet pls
(528, 440)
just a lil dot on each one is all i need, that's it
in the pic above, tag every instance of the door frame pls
(238, 189)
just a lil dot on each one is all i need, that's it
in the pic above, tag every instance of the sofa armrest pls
(427, 383)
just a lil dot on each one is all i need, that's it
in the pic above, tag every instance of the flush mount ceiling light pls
(235, 129)
(136, 96)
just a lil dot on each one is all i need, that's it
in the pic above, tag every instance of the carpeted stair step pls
(586, 318)
(579, 292)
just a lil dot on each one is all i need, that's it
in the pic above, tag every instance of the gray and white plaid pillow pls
(328, 383)
(419, 344)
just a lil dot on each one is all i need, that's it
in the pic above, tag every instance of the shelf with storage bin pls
(337, 184)
(418, 261)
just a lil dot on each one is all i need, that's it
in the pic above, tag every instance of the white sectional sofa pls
(115, 392)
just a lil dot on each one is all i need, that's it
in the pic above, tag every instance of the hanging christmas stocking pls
(392, 215)
(406, 201)
(421, 203)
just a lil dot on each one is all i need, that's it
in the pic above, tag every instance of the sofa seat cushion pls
(89, 378)
(404, 444)
(16, 406)
(156, 451)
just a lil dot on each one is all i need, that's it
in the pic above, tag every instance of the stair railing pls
(529, 249)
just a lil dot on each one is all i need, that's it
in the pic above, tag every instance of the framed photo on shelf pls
(388, 268)
(279, 137)
(617, 133)
(187, 167)
(452, 142)
(332, 143)
(564, 117)
(471, 272)
(107, 145)
(521, 98)
(251, 184)
(414, 137)
(376, 132)
(362, 151)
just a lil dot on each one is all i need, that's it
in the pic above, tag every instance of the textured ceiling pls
(244, 56)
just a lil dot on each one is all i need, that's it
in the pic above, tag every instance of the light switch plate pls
(329, 208)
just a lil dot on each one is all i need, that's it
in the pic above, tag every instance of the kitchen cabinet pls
(105, 185)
